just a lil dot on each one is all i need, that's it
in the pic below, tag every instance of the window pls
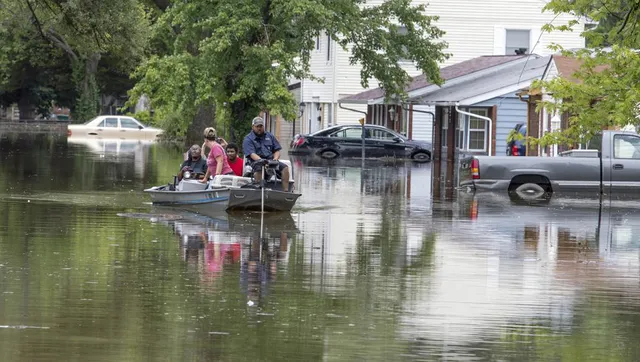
(517, 42)
(348, 133)
(626, 147)
(380, 134)
(318, 43)
(477, 131)
(328, 47)
(128, 123)
(109, 123)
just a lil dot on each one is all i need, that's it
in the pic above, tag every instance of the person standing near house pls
(217, 162)
(235, 162)
(260, 145)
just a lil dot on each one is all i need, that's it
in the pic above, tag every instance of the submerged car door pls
(347, 141)
(624, 167)
(386, 144)
(108, 128)
(129, 128)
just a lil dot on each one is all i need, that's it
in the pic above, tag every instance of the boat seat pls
(191, 185)
(230, 181)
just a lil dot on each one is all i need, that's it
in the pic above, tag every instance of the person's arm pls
(223, 143)
(183, 168)
(219, 161)
(276, 155)
(249, 149)
(206, 177)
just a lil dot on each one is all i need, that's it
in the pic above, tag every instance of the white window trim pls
(485, 112)
(500, 38)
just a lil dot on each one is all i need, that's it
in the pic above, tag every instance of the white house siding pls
(511, 111)
(473, 28)
(422, 123)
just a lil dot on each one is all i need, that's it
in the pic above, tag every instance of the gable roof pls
(568, 66)
(447, 73)
(494, 83)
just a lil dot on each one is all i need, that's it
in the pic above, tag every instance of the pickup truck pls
(610, 165)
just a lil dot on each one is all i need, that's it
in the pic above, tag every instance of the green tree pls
(238, 55)
(84, 32)
(605, 90)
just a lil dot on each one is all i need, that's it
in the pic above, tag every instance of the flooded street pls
(366, 267)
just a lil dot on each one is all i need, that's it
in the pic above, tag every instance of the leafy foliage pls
(239, 55)
(605, 91)
(68, 38)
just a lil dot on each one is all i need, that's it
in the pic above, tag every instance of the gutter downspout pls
(334, 116)
(433, 118)
(481, 117)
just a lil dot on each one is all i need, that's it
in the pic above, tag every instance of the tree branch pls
(60, 42)
(35, 19)
(626, 18)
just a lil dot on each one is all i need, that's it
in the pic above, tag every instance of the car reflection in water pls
(115, 150)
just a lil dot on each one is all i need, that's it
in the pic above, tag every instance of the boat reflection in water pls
(252, 244)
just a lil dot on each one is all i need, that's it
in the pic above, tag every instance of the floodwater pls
(366, 267)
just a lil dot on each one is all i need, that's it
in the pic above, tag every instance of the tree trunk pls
(27, 110)
(203, 119)
(88, 98)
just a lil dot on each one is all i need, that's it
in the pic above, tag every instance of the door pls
(108, 128)
(386, 144)
(625, 164)
(347, 141)
(129, 128)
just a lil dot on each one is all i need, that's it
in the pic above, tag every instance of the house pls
(473, 111)
(473, 28)
(540, 123)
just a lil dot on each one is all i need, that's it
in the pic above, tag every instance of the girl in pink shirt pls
(217, 162)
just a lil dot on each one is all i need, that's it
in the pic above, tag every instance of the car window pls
(626, 146)
(380, 134)
(128, 123)
(109, 123)
(348, 133)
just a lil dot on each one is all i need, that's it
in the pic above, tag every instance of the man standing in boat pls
(260, 145)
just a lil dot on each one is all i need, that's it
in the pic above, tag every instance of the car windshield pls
(91, 120)
(324, 132)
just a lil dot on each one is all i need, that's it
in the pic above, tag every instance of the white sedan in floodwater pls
(113, 127)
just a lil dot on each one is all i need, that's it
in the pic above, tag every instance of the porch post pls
(451, 148)
(494, 121)
(436, 154)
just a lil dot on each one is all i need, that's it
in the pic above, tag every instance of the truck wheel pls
(421, 157)
(530, 191)
(328, 154)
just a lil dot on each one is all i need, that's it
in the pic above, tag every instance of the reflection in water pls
(367, 267)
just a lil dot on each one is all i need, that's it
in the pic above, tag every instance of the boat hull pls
(250, 199)
(165, 197)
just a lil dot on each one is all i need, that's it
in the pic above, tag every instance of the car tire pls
(328, 154)
(530, 191)
(421, 157)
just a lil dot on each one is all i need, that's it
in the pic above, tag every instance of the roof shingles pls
(447, 73)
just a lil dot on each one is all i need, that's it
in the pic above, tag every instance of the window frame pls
(506, 38)
(622, 136)
(468, 120)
